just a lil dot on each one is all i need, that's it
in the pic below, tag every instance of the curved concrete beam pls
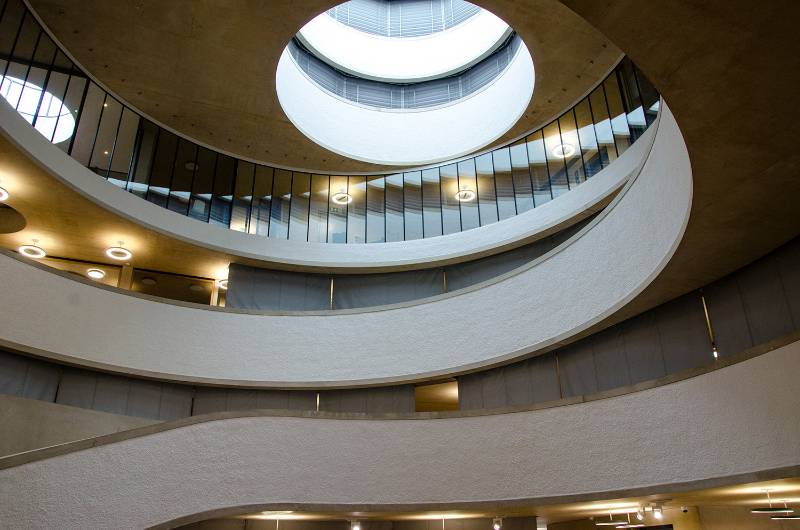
(726, 426)
(562, 293)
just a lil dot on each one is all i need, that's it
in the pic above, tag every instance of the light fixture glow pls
(3, 195)
(341, 198)
(611, 522)
(32, 251)
(563, 151)
(785, 517)
(497, 523)
(640, 514)
(658, 513)
(465, 195)
(772, 510)
(96, 274)
(119, 253)
(715, 352)
(223, 284)
(355, 525)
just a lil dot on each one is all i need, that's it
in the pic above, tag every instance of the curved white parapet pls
(406, 137)
(724, 427)
(562, 293)
(418, 253)
(404, 60)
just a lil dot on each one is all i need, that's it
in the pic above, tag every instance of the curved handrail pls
(148, 160)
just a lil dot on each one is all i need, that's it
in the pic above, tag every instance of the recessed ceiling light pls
(149, 281)
(190, 166)
(96, 274)
(32, 251)
(105, 104)
(105, 152)
(341, 198)
(119, 253)
(785, 517)
(3, 194)
(497, 523)
(223, 284)
(563, 151)
(465, 195)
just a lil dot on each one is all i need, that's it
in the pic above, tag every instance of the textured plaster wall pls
(726, 423)
(570, 289)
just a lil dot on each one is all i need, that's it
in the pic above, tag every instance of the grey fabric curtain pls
(209, 399)
(268, 290)
(370, 400)
(369, 290)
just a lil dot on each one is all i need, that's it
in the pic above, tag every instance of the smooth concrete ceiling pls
(207, 69)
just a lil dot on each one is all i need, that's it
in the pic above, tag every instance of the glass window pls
(650, 99)
(301, 195)
(538, 168)
(468, 195)
(394, 208)
(504, 183)
(412, 202)
(522, 176)
(631, 98)
(123, 148)
(376, 199)
(69, 114)
(262, 201)
(203, 185)
(242, 196)
(144, 156)
(357, 209)
(587, 139)
(619, 117)
(13, 15)
(51, 106)
(88, 120)
(431, 203)
(487, 201)
(180, 189)
(161, 175)
(318, 215)
(281, 204)
(337, 211)
(555, 161)
(602, 126)
(222, 195)
(571, 149)
(451, 213)
(106, 135)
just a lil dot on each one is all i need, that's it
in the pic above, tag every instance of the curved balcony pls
(100, 132)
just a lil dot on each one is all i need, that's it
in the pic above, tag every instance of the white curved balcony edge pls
(564, 292)
(419, 253)
(675, 437)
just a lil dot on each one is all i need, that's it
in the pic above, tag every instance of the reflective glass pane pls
(262, 201)
(571, 149)
(504, 183)
(395, 230)
(376, 200)
(538, 169)
(487, 201)
(468, 195)
(431, 203)
(451, 212)
(242, 196)
(301, 195)
(180, 190)
(88, 119)
(602, 126)
(522, 176)
(222, 195)
(281, 204)
(10, 24)
(412, 202)
(52, 106)
(106, 137)
(66, 123)
(318, 215)
(337, 211)
(163, 163)
(357, 209)
(123, 148)
(650, 98)
(555, 160)
(588, 141)
(631, 98)
(203, 185)
(619, 117)
(143, 158)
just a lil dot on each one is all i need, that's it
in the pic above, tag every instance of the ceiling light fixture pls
(341, 198)
(611, 521)
(563, 151)
(223, 284)
(770, 509)
(465, 195)
(497, 523)
(640, 514)
(96, 274)
(3, 195)
(715, 352)
(355, 525)
(658, 512)
(119, 253)
(630, 524)
(32, 251)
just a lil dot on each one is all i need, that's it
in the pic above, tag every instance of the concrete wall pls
(569, 289)
(727, 426)
(29, 424)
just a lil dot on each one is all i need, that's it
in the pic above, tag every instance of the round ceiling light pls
(3, 195)
(32, 251)
(341, 198)
(119, 253)
(563, 151)
(465, 195)
(96, 274)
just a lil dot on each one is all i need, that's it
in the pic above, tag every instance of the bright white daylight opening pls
(405, 101)
(53, 119)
